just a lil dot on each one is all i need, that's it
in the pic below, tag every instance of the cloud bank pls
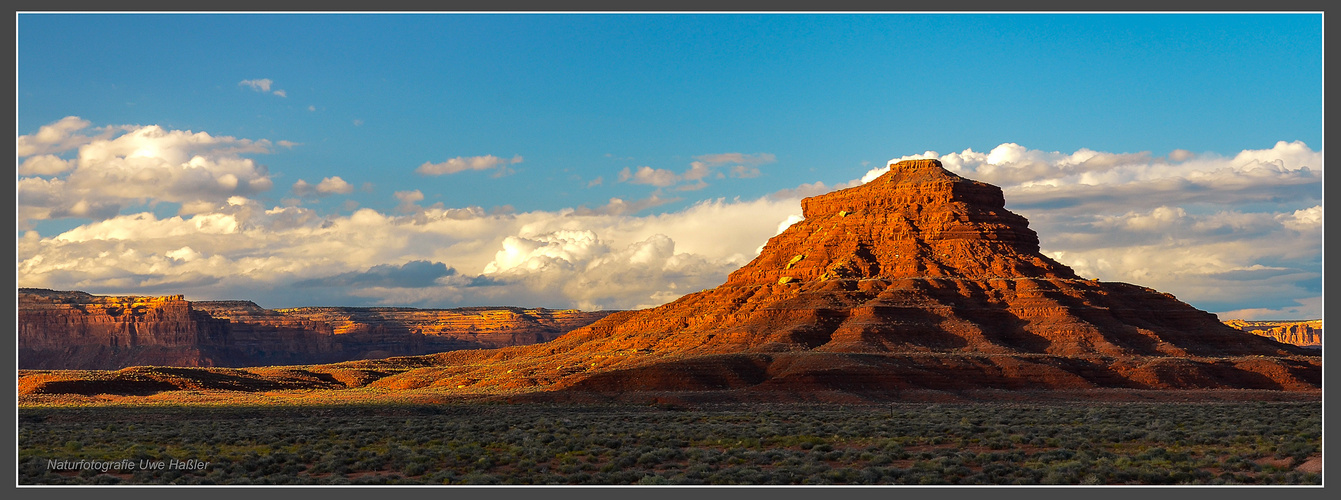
(1238, 235)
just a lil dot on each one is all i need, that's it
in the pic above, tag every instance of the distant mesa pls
(1301, 333)
(77, 330)
(918, 281)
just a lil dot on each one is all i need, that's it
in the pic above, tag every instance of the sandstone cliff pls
(76, 330)
(1300, 333)
(478, 327)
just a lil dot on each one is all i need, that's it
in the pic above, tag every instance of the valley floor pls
(675, 443)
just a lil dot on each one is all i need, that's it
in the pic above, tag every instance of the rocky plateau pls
(77, 330)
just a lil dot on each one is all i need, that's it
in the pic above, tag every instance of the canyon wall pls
(1300, 333)
(77, 330)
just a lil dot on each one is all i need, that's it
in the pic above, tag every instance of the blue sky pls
(509, 118)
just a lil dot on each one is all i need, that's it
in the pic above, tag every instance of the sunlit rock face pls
(76, 330)
(1300, 333)
(916, 221)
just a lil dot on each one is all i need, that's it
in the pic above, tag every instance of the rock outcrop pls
(478, 327)
(76, 330)
(919, 280)
(1301, 333)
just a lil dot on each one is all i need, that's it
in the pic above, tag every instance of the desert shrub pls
(969, 444)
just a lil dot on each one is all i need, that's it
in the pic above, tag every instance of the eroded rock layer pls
(916, 221)
(1300, 333)
(76, 330)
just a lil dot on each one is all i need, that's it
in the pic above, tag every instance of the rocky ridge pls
(77, 330)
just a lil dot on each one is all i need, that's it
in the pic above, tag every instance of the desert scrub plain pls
(1269, 443)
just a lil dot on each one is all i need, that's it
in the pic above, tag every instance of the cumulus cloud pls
(121, 166)
(577, 265)
(55, 137)
(44, 165)
(334, 185)
(327, 186)
(462, 164)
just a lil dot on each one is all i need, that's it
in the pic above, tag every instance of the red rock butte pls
(919, 280)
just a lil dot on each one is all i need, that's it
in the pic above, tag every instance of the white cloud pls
(302, 188)
(327, 186)
(334, 185)
(650, 176)
(58, 136)
(558, 248)
(259, 85)
(409, 201)
(127, 165)
(262, 85)
(44, 165)
(1304, 220)
(462, 164)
